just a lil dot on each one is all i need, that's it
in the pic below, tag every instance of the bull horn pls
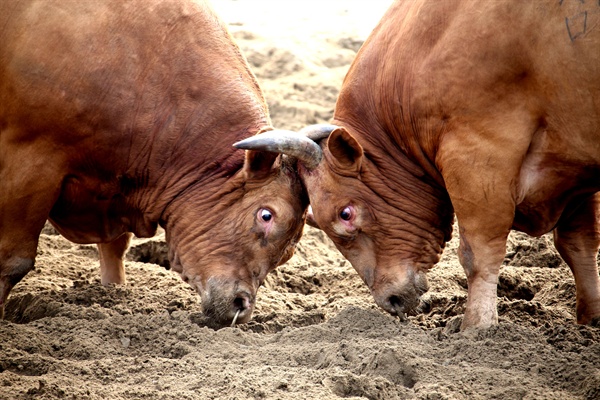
(285, 142)
(318, 131)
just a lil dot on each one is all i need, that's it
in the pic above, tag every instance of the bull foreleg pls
(29, 185)
(483, 229)
(577, 239)
(112, 268)
(11, 272)
(480, 168)
(481, 258)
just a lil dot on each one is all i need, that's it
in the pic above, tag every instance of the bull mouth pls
(243, 305)
(242, 315)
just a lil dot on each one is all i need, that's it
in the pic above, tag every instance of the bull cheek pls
(368, 276)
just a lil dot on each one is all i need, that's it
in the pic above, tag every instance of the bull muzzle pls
(401, 299)
(228, 307)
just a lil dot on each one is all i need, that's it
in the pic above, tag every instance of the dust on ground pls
(316, 332)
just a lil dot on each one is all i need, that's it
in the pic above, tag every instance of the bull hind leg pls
(112, 268)
(577, 239)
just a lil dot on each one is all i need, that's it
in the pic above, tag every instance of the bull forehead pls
(325, 184)
(229, 229)
(280, 189)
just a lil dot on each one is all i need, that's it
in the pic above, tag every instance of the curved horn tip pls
(242, 144)
(318, 132)
(285, 142)
(266, 140)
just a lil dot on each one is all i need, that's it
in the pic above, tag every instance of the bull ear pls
(259, 165)
(345, 149)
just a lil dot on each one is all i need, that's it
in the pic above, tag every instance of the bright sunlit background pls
(320, 17)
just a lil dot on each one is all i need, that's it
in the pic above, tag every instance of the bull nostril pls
(238, 303)
(241, 303)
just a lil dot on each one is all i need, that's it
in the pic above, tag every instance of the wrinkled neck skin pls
(202, 164)
(196, 219)
(419, 212)
(392, 115)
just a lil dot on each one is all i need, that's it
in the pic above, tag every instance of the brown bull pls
(118, 116)
(486, 109)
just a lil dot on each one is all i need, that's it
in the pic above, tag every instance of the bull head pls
(345, 207)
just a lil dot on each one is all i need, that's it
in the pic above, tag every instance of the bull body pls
(117, 117)
(487, 110)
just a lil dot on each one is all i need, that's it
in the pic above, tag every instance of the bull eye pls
(346, 214)
(265, 215)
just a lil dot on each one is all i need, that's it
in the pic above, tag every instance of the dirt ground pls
(316, 332)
